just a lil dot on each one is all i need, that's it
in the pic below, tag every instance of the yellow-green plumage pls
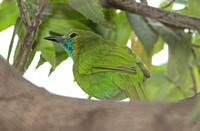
(104, 69)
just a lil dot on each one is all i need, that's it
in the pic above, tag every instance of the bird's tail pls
(137, 93)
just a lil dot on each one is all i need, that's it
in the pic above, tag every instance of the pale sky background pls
(61, 81)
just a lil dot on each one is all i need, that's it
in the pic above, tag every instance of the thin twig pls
(197, 46)
(30, 35)
(22, 49)
(34, 24)
(144, 1)
(12, 39)
(194, 86)
(28, 52)
(22, 14)
(194, 53)
(171, 2)
(193, 98)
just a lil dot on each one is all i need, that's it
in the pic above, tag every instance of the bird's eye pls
(72, 35)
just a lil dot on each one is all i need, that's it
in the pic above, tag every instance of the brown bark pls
(23, 106)
(165, 16)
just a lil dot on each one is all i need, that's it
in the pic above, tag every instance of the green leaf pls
(57, 26)
(8, 14)
(60, 57)
(122, 30)
(144, 32)
(46, 47)
(61, 26)
(179, 55)
(167, 34)
(183, 2)
(41, 61)
(90, 9)
(197, 51)
(194, 7)
(161, 89)
(138, 48)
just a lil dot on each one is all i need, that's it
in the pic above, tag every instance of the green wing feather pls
(128, 70)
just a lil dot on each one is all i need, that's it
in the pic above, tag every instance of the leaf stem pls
(171, 2)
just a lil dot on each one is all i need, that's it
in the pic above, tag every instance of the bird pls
(104, 69)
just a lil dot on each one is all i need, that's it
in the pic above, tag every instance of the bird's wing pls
(107, 58)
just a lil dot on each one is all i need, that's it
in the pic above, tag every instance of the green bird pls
(104, 69)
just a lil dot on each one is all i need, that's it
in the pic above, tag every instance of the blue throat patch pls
(67, 45)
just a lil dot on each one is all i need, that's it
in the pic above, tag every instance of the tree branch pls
(30, 35)
(34, 24)
(22, 14)
(168, 17)
(23, 106)
(195, 45)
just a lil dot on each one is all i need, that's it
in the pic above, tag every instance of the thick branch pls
(168, 17)
(23, 106)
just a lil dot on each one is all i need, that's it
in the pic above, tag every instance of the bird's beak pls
(54, 38)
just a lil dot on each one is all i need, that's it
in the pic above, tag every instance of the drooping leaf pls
(59, 26)
(90, 9)
(179, 55)
(41, 61)
(144, 32)
(46, 47)
(120, 30)
(60, 57)
(179, 52)
(167, 34)
(138, 47)
(8, 14)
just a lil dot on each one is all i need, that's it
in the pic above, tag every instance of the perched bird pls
(104, 69)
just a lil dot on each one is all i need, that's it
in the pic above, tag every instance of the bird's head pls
(74, 40)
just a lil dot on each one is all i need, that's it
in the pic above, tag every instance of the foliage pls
(175, 80)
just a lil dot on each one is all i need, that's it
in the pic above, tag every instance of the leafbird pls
(104, 69)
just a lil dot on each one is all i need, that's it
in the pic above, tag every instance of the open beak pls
(54, 38)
